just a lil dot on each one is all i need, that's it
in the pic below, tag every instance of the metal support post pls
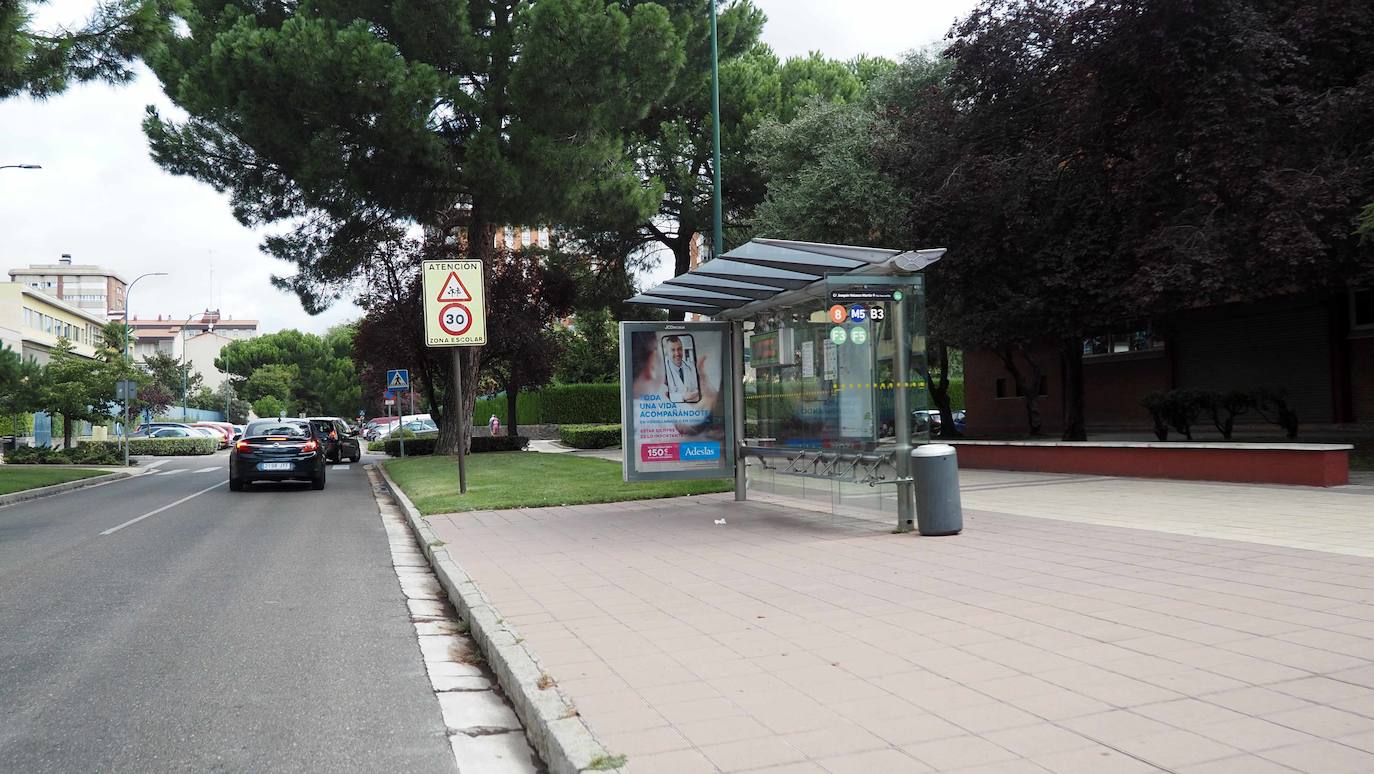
(737, 401)
(901, 367)
(462, 421)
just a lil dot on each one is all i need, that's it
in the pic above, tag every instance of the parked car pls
(167, 432)
(277, 450)
(225, 437)
(413, 426)
(339, 440)
(930, 420)
(148, 427)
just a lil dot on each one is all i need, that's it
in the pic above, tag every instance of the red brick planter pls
(1250, 463)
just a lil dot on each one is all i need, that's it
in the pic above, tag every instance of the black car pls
(339, 441)
(277, 450)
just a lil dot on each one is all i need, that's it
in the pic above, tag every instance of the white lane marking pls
(155, 464)
(136, 520)
(339, 467)
(172, 472)
(216, 469)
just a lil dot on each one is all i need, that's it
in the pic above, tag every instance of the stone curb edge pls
(562, 738)
(62, 488)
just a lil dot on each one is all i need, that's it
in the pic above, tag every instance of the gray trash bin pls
(935, 472)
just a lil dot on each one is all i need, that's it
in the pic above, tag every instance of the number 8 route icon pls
(455, 304)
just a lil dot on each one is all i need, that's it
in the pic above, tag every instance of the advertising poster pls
(676, 400)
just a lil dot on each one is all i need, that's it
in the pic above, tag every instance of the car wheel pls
(235, 485)
(356, 456)
(317, 483)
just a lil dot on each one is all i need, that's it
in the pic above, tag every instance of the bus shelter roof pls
(765, 274)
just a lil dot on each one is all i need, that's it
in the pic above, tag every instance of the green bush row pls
(163, 447)
(82, 454)
(557, 404)
(425, 445)
(589, 436)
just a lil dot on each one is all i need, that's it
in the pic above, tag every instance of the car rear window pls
(288, 429)
(322, 425)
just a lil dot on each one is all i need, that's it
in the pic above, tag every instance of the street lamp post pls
(718, 244)
(185, 367)
(128, 358)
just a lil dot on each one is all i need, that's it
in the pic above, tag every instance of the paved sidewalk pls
(792, 641)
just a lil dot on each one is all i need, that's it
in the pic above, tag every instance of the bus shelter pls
(804, 372)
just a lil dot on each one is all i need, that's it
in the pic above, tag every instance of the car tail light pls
(243, 446)
(309, 446)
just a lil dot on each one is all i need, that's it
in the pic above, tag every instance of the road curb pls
(556, 731)
(57, 489)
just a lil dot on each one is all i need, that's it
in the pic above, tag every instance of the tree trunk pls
(1071, 358)
(457, 408)
(939, 391)
(512, 403)
(1030, 393)
(66, 432)
(682, 263)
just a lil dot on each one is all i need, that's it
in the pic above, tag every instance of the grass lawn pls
(17, 478)
(528, 480)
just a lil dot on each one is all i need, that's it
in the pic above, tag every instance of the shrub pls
(163, 447)
(84, 454)
(376, 446)
(425, 445)
(1224, 407)
(556, 404)
(589, 436)
(1273, 406)
(1180, 409)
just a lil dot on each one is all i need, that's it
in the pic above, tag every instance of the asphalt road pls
(255, 631)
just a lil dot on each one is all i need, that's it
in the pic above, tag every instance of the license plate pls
(274, 466)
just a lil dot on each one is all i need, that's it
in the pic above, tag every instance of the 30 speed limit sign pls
(455, 308)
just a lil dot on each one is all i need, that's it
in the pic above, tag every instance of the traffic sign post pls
(398, 380)
(456, 316)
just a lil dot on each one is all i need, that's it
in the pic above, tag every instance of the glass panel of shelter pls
(817, 384)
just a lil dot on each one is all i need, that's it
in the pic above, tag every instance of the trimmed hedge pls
(557, 404)
(418, 447)
(589, 436)
(83, 454)
(163, 447)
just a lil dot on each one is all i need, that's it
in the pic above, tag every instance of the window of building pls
(1362, 309)
(1119, 343)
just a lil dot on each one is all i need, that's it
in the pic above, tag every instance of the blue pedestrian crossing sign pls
(398, 379)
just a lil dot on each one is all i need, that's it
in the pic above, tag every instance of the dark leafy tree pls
(529, 292)
(1093, 163)
(590, 349)
(354, 121)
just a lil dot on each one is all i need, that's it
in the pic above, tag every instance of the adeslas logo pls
(700, 450)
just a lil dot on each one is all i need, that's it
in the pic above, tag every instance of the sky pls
(101, 198)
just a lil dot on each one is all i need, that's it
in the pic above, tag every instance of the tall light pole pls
(185, 365)
(21, 166)
(128, 358)
(719, 243)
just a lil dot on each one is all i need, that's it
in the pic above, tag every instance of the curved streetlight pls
(21, 166)
(185, 366)
(128, 358)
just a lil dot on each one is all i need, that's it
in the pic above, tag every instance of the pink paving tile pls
(791, 640)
